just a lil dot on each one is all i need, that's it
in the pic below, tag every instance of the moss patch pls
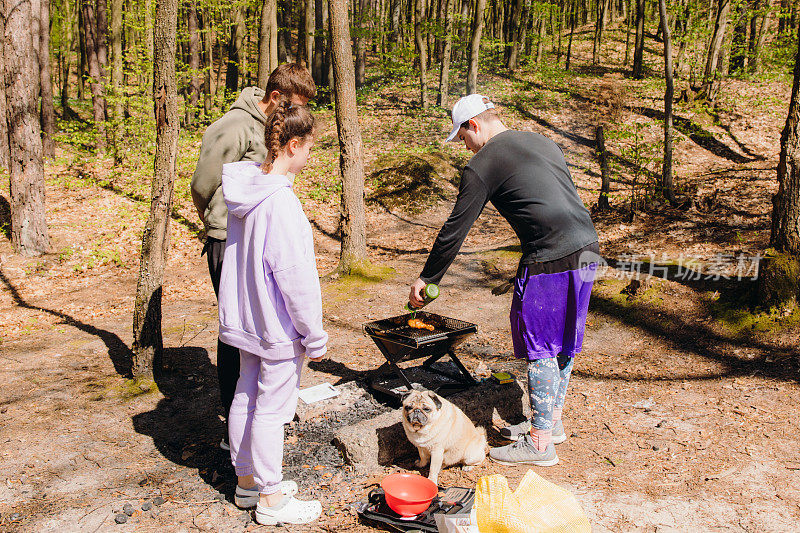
(737, 315)
(133, 388)
(779, 282)
(357, 284)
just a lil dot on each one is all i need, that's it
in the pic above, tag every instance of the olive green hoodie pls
(237, 136)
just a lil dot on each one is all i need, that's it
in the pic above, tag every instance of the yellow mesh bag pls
(537, 506)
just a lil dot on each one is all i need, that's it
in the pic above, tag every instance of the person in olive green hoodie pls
(238, 136)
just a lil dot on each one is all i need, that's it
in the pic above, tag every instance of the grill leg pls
(388, 365)
(462, 368)
(464, 377)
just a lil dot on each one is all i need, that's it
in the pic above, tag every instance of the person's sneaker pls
(523, 452)
(289, 511)
(517, 431)
(558, 432)
(246, 498)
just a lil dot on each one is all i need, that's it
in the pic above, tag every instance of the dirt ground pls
(681, 414)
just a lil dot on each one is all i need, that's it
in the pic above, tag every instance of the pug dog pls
(442, 433)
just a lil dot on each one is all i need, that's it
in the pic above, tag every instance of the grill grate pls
(397, 328)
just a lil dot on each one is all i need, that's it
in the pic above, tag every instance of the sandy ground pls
(676, 421)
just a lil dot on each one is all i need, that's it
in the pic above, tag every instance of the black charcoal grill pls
(399, 342)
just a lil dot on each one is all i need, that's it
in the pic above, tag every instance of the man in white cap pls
(526, 178)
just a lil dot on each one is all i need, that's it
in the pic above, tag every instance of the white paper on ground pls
(457, 523)
(317, 393)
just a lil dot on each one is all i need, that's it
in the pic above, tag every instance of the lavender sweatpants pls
(265, 400)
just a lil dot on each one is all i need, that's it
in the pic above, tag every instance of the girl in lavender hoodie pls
(270, 307)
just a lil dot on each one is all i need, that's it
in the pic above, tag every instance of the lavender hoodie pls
(269, 295)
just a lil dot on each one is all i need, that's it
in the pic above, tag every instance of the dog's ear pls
(435, 398)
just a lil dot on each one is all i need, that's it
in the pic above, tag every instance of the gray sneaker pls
(523, 452)
(517, 431)
(558, 432)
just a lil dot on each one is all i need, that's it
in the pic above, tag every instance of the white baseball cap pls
(466, 108)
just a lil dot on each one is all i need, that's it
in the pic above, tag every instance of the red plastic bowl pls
(408, 494)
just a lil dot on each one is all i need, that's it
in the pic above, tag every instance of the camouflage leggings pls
(547, 383)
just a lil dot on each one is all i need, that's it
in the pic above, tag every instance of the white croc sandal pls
(289, 511)
(246, 498)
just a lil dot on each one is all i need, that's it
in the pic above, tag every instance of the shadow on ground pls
(184, 424)
(693, 338)
(119, 353)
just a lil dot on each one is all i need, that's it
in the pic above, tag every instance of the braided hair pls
(285, 123)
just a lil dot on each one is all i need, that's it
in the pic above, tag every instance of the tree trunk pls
(517, 22)
(757, 35)
(431, 25)
(422, 50)
(21, 90)
(560, 32)
(716, 40)
(394, 24)
(353, 256)
(360, 6)
(285, 20)
(666, 175)
(638, 48)
(463, 27)
(605, 172)
(48, 113)
(475, 47)
(69, 43)
(115, 42)
(195, 82)
(234, 48)
(628, 17)
(785, 235)
(102, 39)
(783, 16)
(598, 30)
(83, 61)
(571, 33)
(444, 73)
(147, 339)
(4, 156)
(208, 48)
(319, 45)
(267, 41)
(148, 41)
(540, 31)
(779, 273)
(96, 80)
(307, 33)
(739, 42)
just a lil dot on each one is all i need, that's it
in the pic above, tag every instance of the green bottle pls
(429, 294)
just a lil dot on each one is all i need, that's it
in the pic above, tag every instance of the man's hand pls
(415, 297)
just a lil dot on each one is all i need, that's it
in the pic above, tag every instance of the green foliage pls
(641, 156)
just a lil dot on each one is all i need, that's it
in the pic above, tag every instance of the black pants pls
(227, 355)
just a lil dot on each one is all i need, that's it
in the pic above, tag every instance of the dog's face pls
(421, 408)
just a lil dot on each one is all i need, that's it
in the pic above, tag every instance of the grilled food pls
(416, 323)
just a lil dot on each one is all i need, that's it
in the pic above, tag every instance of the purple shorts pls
(548, 312)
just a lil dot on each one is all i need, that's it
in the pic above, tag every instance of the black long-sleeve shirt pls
(526, 178)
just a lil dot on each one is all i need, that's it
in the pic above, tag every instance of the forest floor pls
(682, 410)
